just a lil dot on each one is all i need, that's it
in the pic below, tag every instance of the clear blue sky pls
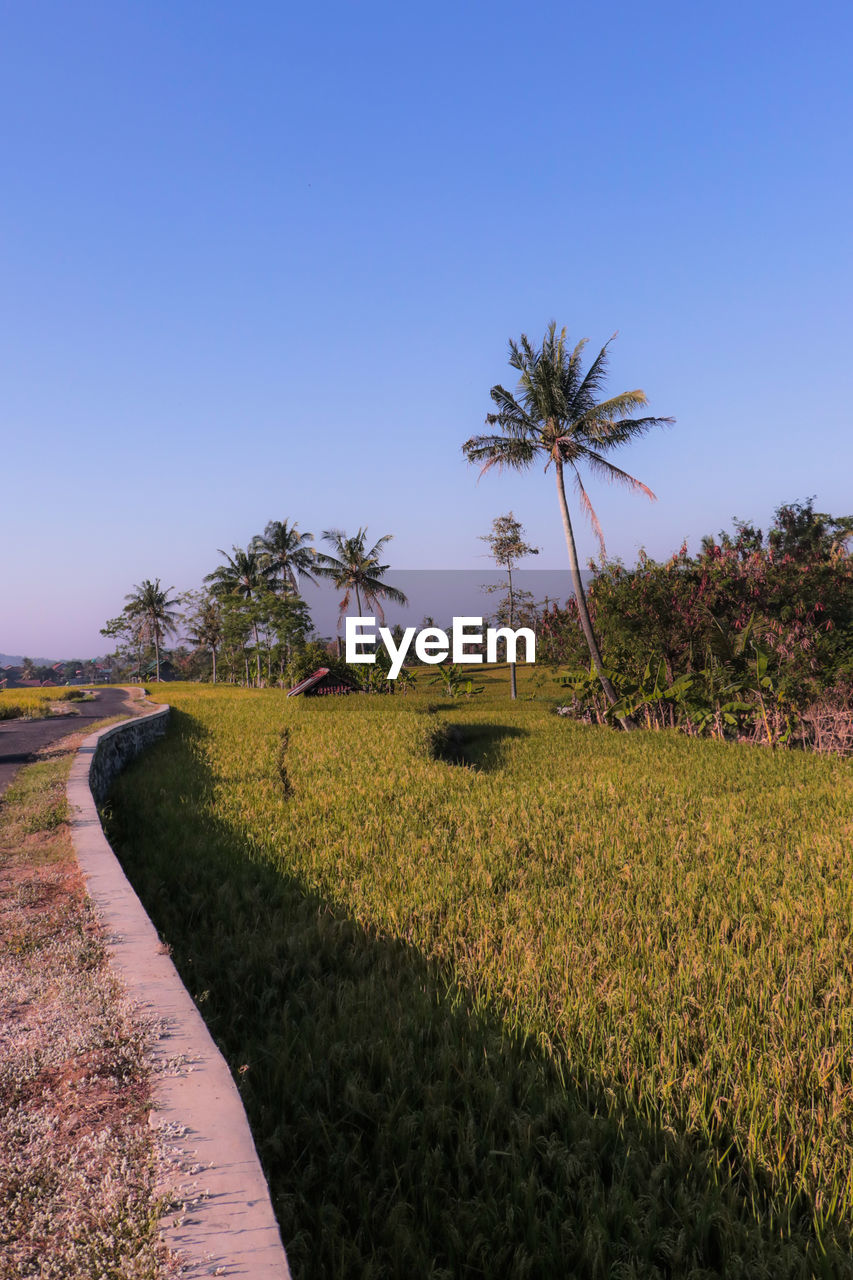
(262, 260)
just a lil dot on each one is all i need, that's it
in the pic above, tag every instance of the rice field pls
(509, 995)
(33, 703)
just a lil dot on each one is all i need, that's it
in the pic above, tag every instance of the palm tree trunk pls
(513, 687)
(257, 655)
(213, 651)
(157, 655)
(580, 597)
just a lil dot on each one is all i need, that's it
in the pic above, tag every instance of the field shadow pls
(407, 1130)
(475, 746)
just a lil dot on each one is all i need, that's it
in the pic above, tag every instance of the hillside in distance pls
(16, 660)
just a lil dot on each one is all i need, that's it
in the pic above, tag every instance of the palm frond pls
(500, 452)
(357, 567)
(521, 353)
(610, 432)
(284, 553)
(343, 605)
(373, 587)
(373, 553)
(329, 567)
(625, 403)
(596, 374)
(511, 416)
(590, 510)
(604, 467)
(242, 574)
(336, 537)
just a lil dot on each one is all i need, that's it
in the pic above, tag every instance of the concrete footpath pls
(229, 1228)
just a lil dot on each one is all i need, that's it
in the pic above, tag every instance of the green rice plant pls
(584, 1007)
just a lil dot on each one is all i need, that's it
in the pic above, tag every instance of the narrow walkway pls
(21, 739)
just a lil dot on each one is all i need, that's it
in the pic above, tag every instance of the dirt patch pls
(79, 1170)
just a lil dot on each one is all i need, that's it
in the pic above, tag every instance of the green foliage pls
(506, 542)
(285, 555)
(51, 814)
(312, 655)
(454, 681)
(356, 570)
(154, 612)
(507, 546)
(558, 418)
(277, 621)
(760, 626)
(204, 624)
(583, 1008)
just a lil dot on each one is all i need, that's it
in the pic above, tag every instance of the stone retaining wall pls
(117, 746)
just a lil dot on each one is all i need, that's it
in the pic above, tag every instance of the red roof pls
(337, 684)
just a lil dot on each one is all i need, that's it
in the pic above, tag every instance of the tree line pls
(250, 620)
(252, 605)
(747, 633)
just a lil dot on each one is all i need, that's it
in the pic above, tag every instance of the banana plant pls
(650, 691)
(454, 682)
(747, 668)
(586, 687)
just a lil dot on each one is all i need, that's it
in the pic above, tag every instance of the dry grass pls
(77, 1163)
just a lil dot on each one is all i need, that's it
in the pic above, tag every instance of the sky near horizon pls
(261, 261)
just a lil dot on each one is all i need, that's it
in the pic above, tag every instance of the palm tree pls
(205, 627)
(285, 554)
(149, 604)
(356, 568)
(243, 577)
(556, 415)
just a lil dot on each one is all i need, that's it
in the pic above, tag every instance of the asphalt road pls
(21, 739)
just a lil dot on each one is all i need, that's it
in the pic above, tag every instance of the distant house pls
(320, 682)
(148, 672)
(13, 678)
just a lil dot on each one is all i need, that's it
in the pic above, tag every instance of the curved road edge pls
(230, 1228)
(21, 740)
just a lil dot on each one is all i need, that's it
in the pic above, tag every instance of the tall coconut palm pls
(285, 555)
(150, 605)
(556, 415)
(243, 577)
(355, 567)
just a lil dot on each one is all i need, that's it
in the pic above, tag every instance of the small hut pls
(320, 682)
